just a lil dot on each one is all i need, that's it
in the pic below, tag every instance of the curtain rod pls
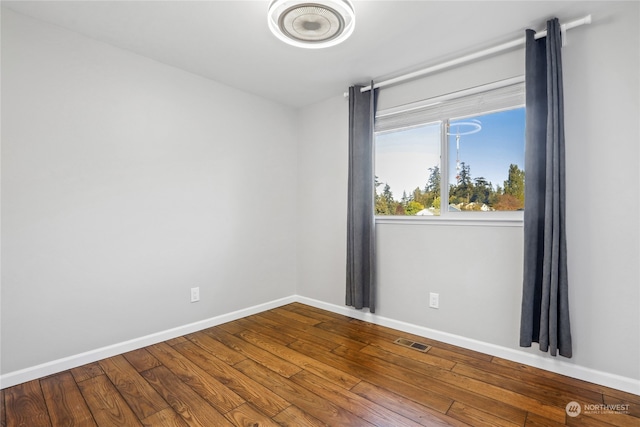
(472, 56)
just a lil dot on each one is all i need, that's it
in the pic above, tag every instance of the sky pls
(403, 158)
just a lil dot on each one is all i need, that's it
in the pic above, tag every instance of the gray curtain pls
(360, 291)
(545, 303)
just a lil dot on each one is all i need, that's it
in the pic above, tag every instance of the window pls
(408, 165)
(466, 149)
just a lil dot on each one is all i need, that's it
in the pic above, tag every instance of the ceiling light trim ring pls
(314, 24)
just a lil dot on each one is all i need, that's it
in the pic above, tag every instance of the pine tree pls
(482, 191)
(514, 185)
(464, 186)
(433, 184)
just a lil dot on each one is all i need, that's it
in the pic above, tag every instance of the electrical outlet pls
(195, 294)
(434, 300)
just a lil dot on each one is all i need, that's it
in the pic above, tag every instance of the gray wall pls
(125, 183)
(477, 269)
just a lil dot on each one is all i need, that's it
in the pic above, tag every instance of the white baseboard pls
(558, 366)
(553, 365)
(70, 362)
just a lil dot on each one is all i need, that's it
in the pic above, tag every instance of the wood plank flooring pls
(300, 366)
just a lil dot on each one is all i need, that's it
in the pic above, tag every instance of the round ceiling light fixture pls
(312, 24)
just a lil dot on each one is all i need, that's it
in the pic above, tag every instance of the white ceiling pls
(229, 41)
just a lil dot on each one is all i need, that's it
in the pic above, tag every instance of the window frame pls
(447, 217)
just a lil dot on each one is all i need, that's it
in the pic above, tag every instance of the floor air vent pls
(412, 344)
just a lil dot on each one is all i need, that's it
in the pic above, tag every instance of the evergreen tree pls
(385, 205)
(405, 199)
(417, 195)
(381, 206)
(482, 191)
(514, 185)
(384, 200)
(387, 195)
(463, 189)
(433, 184)
(425, 199)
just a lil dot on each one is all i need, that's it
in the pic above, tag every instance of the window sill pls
(510, 219)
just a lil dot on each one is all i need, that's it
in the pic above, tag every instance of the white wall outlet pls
(434, 300)
(195, 294)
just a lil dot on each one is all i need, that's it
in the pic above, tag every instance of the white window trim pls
(446, 217)
(515, 219)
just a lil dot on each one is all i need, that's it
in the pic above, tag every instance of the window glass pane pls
(407, 168)
(486, 162)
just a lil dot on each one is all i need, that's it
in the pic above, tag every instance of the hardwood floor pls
(300, 366)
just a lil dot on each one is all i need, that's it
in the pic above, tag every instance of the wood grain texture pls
(263, 357)
(86, 372)
(294, 417)
(142, 360)
(247, 415)
(165, 418)
(193, 409)
(300, 396)
(373, 412)
(209, 388)
(25, 406)
(3, 411)
(477, 417)
(300, 366)
(107, 405)
(261, 397)
(307, 363)
(406, 407)
(64, 401)
(140, 396)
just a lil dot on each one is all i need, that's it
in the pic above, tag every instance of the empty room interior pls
(191, 234)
